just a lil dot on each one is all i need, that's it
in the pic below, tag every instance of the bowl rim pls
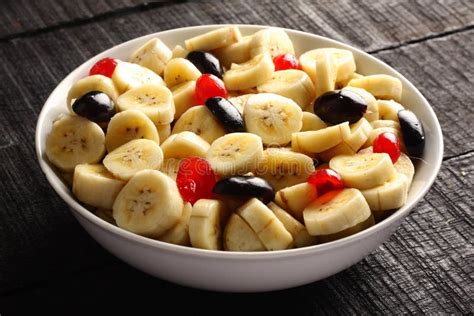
(78, 209)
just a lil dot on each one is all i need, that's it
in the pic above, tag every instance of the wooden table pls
(47, 262)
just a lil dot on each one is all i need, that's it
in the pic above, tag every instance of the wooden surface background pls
(47, 262)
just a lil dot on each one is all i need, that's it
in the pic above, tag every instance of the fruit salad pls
(231, 142)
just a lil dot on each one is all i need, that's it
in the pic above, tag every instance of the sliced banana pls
(238, 236)
(214, 39)
(170, 167)
(271, 41)
(272, 117)
(380, 86)
(291, 83)
(385, 123)
(349, 231)
(320, 140)
(184, 144)
(240, 101)
(207, 218)
(388, 196)
(344, 62)
(199, 120)
(296, 229)
(155, 100)
(345, 209)
(235, 154)
(372, 112)
(128, 125)
(269, 229)
(164, 131)
(312, 122)
(179, 52)
(183, 97)
(128, 76)
(136, 155)
(326, 73)
(180, 70)
(283, 168)
(388, 109)
(179, 233)
(236, 53)
(149, 204)
(294, 199)
(74, 140)
(153, 55)
(91, 83)
(250, 73)
(94, 185)
(363, 171)
(343, 83)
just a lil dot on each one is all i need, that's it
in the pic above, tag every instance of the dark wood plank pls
(423, 268)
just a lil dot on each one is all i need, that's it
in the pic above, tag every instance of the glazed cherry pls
(388, 143)
(286, 61)
(326, 180)
(195, 179)
(208, 86)
(104, 67)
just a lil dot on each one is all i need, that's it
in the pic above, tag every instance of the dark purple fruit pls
(205, 62)
(226, 113)
(96, 106)
(412, 132)
(336, 107)
(247, 186)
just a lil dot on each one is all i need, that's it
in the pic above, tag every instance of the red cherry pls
(195, 179)
(388, 143)
(105, 67)
(208, 86)
(286, 61)
(326, 180)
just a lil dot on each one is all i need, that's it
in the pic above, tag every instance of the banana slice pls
(240, 101)
(271, 232)
(291, 83)
(179, 52)
(214, 39)
(94, 185)
(271, 41)
(388, 109)
(363, 171)
(180, 70)
(136, 155)
(345, 209)
(312, 122)
(128, 76)
(326, 73)
(386, 123)
(344, 62)
(207, 218)
(74, 140)
(179, 234)
(184, 144)
(349, 231)
(283, 168)
(155, 100)
(272, 117)
(183, 97)
(199, 120)
(249, 74)
(238, 236)
(343, 83)
(170, 167)
(235, 53)
(91, 83)
(380, 86)
(294, 199)
(153, 55)
(372, 112)
(296, 229)
(149, 204)
(388, 196)
(235, 154)
(320, 140)
(128, 125)
(164, 131)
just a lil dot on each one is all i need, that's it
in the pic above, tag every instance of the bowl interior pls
(426, 170)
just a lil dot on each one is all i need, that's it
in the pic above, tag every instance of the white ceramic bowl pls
(239, 271)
